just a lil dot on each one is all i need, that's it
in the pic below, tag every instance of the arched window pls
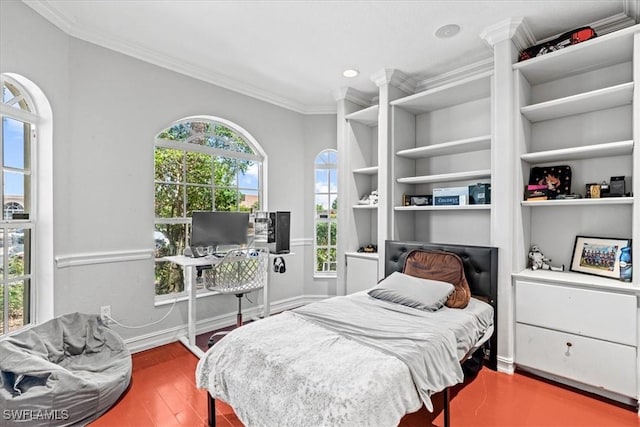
(201, 164)
(326, 199)
(11, 208)
(17, 238)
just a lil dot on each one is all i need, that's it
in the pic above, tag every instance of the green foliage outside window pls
(188, 181)
(326, 238)
(18, 295)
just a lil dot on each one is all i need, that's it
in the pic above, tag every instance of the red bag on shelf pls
(567, 39)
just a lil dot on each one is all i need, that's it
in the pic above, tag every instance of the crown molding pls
(353, 95)
(395, 78)
(47, 9)
(615, 22)
(49, 12)
(606, 25)
(515, 29)
(480, 67)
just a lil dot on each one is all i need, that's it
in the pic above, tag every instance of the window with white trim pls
(18, 137)
(201, 164)
(325, 220)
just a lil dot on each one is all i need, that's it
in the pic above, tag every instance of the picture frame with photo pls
(598, 256)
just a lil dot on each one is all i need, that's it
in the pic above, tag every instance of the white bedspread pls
(347, 361)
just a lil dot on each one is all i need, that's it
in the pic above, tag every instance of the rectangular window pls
(326, 227)
(16, 224)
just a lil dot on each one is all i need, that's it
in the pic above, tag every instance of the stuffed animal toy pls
(369, 199)
(374, 197)
(537, 260)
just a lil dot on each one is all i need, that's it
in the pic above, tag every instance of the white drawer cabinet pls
(362, 272)
(587, 312)
(583, 335)
(599, 363)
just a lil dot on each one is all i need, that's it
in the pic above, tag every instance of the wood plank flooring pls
(163, 393)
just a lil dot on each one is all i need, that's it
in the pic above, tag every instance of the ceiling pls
(292, 53)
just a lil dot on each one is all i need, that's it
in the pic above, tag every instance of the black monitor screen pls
(219, 228)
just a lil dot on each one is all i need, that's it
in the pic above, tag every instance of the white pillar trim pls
(515, 29)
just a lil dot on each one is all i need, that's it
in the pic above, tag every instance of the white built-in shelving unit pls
(442, 138)
(578, 107)
(362, 178)
(362, 128)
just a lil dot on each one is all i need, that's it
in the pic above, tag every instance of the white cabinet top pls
(580, 280)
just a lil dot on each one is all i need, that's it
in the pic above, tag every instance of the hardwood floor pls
(163, 393)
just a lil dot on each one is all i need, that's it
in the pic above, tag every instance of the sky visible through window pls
(13, 144)
(325, 178)
(249, 180)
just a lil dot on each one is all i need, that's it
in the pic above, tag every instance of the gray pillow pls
(423, 294)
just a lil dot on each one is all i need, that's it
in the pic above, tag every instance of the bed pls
(355, 360)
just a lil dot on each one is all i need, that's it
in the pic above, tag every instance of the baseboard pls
(170, 335)
(626, 400)
(155, 339)
(506, 365)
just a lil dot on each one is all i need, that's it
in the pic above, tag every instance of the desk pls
(189, 265)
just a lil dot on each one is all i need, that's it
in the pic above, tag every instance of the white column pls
(348, 100)
(392, 84)
(501, 37)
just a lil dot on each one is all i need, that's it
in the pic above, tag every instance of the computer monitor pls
(219, 228)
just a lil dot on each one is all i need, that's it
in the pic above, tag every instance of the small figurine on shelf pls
(369, 249)
(373, 198)
(537, 260)
(625, 264)
(369, 199)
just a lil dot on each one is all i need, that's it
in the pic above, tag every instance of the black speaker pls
(617, 185)
(278, 232)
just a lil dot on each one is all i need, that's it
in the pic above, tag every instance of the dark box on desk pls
(480, 194)
(278, 232)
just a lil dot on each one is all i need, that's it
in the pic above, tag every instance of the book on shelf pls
(536, 192)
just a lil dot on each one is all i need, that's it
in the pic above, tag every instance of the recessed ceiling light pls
(447, 31)
(350, 73)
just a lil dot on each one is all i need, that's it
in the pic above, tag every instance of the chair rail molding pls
(89, 258)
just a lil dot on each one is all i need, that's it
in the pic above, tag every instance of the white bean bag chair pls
(67, 371)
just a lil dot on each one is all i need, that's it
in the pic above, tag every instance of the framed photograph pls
(598, 255)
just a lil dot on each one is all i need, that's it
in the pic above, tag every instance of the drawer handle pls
(569, 344)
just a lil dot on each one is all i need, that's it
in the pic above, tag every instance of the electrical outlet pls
(105, 314)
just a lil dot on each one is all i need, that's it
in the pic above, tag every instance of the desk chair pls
(241, 271)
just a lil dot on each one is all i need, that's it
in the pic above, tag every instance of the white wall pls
(107, 107)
